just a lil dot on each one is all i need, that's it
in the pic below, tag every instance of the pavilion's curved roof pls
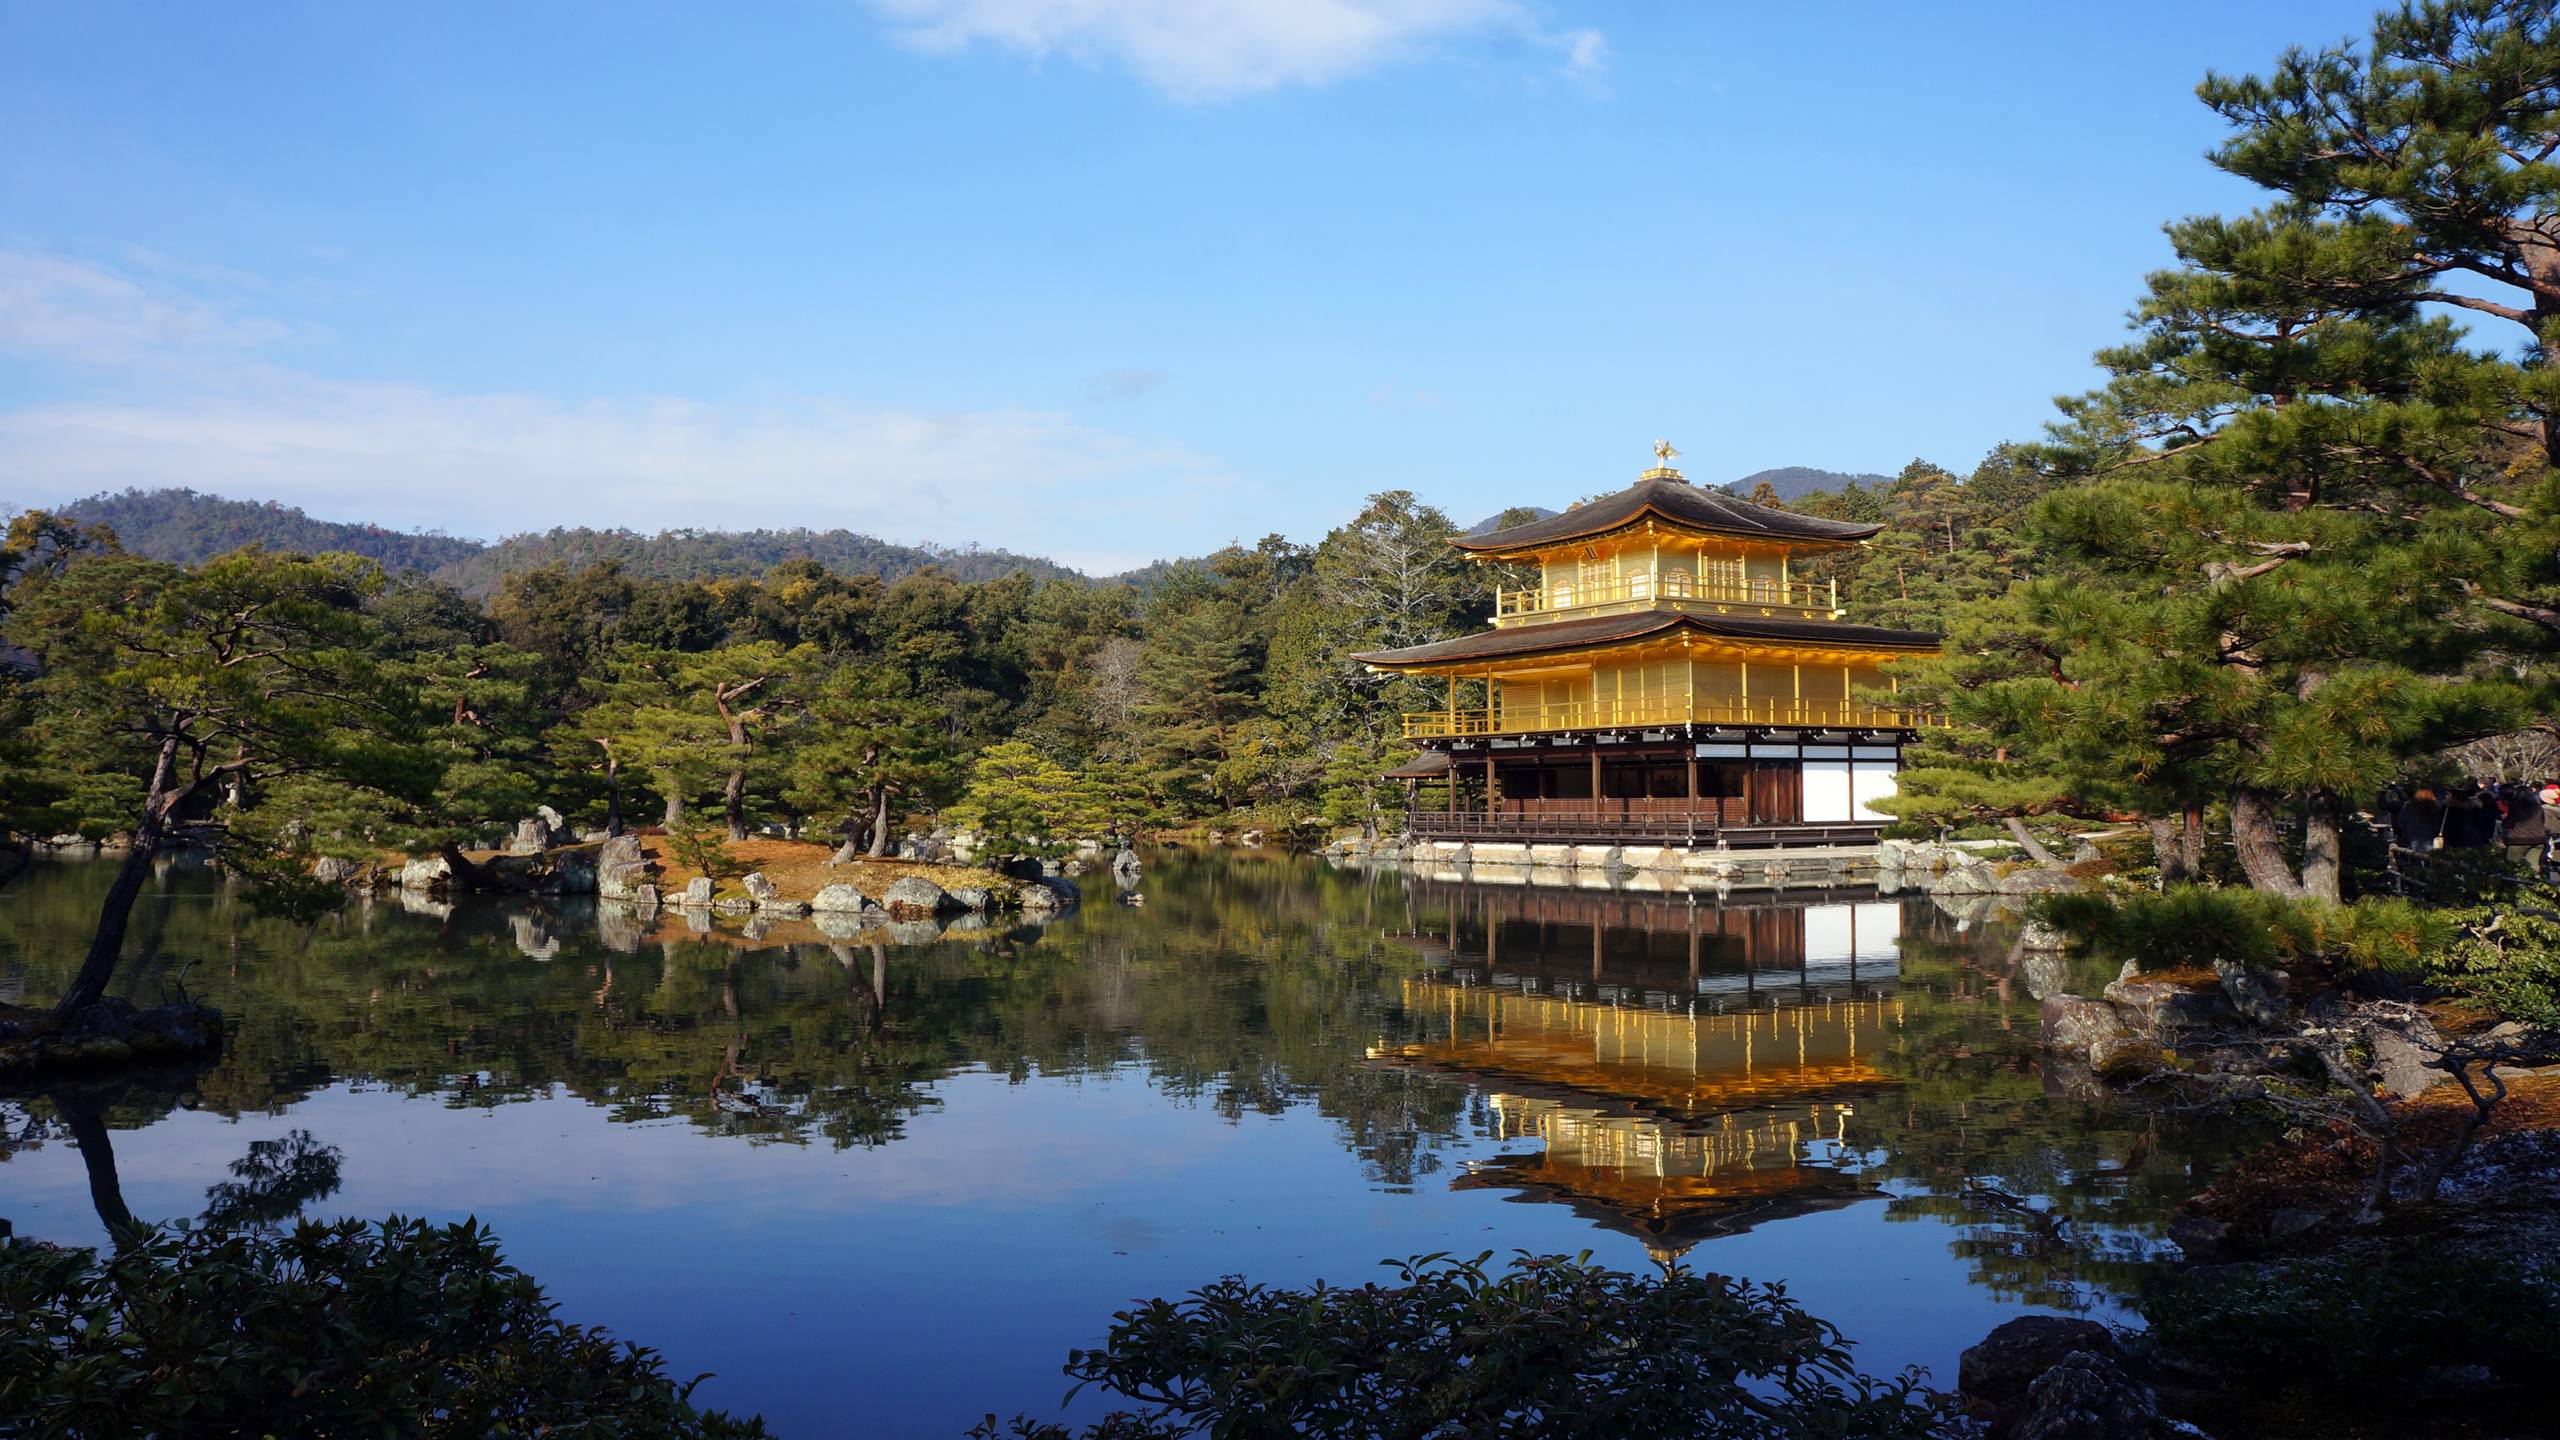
(1566, 635)
(1676, 501)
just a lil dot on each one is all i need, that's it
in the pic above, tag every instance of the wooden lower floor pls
(1806, 788)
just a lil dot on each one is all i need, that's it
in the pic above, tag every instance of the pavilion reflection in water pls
(1685, 1070)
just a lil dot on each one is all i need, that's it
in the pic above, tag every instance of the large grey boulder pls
(913, 897)
(532, 837)
(330, 870)
(2400, 1065)
(620, 867)
(976, 899)
(839, 900)
(759, 888)
(697, 893)
(2076, 1024)
(2164, 1012)
(425, 876)
(2037, 880)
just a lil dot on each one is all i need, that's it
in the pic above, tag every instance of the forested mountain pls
(732, 555)
(186, 528)
(1794, 482)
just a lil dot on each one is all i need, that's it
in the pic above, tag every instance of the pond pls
(884, 1189)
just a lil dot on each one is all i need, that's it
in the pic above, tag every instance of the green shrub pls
(2507, 957)
(2193, 926)
(396, 1329)
(1552, 1348)
(704, 849)
(2364, 1322)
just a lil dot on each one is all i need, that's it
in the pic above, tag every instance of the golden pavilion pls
(1670, 678)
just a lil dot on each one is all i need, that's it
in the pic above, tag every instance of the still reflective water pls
(882, 1189)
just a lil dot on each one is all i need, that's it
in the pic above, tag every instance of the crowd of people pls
(2523, 816)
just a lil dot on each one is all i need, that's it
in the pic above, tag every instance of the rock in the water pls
(645, 896)
(913, 897)
(532, 837)
(1126, 862)
(976, 899)
(2038, 937)
(426, 876)
(1998, 1373)
(839, 900)
(759, 888)
(697, 893)
(2087, 1397)
(330, 870)
(2164, 1011)
(620, 867)
(551, 819)
(2036, 880)
(2076, 1024)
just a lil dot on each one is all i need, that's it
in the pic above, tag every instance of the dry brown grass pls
(799, 868)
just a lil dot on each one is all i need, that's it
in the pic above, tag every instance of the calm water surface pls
(882, 1189)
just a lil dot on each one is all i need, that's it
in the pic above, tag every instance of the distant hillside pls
(184, 528)
(1516, 515)
(718, 554)
(1794, 482)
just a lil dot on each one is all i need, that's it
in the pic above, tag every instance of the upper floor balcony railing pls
(1645, 585)
(1622, 714)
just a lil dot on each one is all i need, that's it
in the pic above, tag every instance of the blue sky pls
(1107, 280)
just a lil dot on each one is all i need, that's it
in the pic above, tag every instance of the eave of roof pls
(1674, 502)
(1568, 635)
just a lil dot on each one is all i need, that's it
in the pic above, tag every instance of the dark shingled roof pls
(1429, 765)
(1676, 501)
(1561, 635)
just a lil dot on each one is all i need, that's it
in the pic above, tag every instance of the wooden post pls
(1693, 792)
(1492, 790)
(1595, 781)
(1453, 782)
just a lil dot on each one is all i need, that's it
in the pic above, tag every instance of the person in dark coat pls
(2419, 821)
(2469, 821)
(2530, 817)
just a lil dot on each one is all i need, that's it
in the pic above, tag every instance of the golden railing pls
(1615, 714)
(1652, 585)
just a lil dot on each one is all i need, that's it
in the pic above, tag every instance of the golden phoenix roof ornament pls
(1663, 455)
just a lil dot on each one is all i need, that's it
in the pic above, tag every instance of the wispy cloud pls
(86, 314)
(177, 393)
(1205, 50)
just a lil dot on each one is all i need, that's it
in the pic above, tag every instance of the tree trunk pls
(880, 825)
(612, 794)
(675, 812)
(2191, 840)
(2320, 848)
(2027, 841)
(2260, 848)
(733, 802)
(2168, 851)
(116, 911)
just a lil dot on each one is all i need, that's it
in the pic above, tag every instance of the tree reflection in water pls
(1672, 1069)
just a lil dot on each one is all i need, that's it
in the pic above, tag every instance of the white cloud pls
(179, 397)
(1204, 50)
(86, 314)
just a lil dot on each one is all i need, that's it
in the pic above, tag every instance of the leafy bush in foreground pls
(396, 1329)
(1552, 1348)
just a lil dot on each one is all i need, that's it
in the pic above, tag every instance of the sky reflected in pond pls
(883, 1191)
